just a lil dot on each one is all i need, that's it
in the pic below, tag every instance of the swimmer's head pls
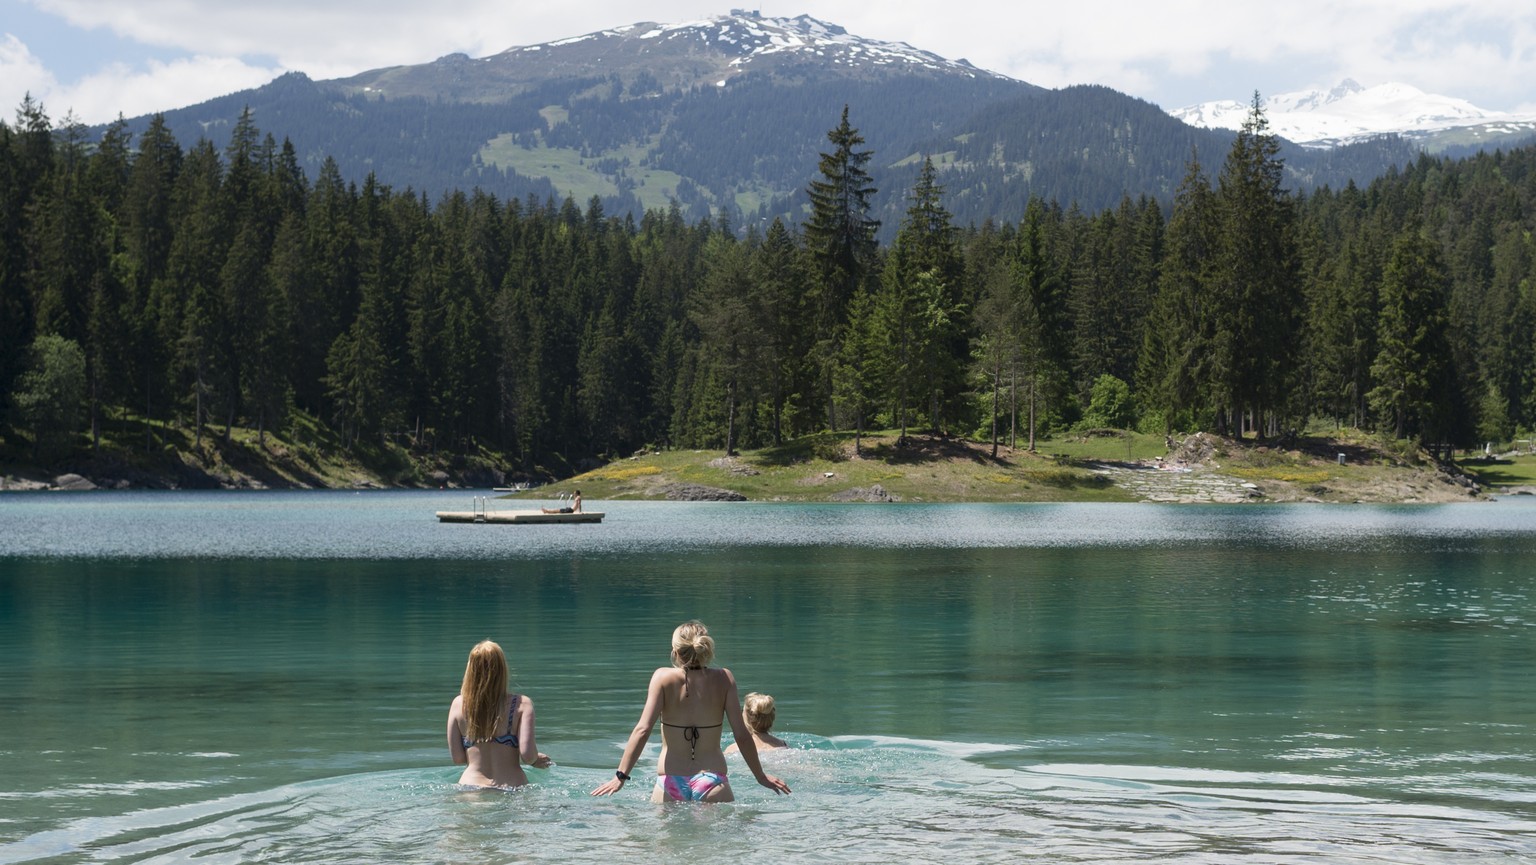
(692, 646)
(484, 689)
(758, 710)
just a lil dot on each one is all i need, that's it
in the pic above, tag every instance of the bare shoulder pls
(524, 701)
(457, 704)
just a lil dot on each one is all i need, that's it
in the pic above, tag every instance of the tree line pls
(208, 289)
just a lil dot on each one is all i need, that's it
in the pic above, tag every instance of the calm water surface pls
(238, 677)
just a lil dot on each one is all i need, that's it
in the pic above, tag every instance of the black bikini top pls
(690, 731)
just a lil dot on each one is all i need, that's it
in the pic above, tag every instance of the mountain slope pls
(651, 58)
(730, 115)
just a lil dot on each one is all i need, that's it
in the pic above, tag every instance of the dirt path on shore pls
(1150, 483)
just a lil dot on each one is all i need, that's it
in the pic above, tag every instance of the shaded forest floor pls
(308, 455)
(1103, 465)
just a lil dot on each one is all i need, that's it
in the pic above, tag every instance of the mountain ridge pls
(714, 51)
(1349, 113)
(728, 117)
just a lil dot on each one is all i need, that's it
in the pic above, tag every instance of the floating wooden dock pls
(517, 517)
(483, 514)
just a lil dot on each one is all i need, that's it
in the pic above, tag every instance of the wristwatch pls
(619, 773)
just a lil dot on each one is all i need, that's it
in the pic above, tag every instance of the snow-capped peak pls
(1349, 112)
(748, 37)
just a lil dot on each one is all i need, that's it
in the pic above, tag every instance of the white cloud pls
(115, 90)
(1173, 52)
(21, 73)
(342, 37)
(1479, 50)
(118, 89)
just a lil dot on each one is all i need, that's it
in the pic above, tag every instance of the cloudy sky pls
(99, 58)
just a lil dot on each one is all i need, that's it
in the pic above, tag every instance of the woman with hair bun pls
(490, 731)
(759, 712)
(692, 701)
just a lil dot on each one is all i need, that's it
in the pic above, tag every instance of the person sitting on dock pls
(575, 507)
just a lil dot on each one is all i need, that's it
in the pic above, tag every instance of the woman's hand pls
(774, 784)
(542, 761)
(613, 786)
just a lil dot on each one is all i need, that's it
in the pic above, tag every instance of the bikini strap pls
(684, 693)
(691, 735)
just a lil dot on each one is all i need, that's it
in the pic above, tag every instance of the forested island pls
(168, 311)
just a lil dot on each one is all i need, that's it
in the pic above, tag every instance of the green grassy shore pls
(1099, 466)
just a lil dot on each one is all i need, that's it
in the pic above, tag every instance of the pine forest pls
(147, 288)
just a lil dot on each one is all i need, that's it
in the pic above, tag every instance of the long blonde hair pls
(484, 690)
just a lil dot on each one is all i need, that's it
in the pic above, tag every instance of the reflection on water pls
(241, 677)
(396, 525)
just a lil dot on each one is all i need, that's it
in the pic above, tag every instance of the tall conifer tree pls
(840, 239)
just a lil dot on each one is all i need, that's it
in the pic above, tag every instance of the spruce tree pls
(1175, 368)
(1413, 367)
(1256, 285)
(840, 240)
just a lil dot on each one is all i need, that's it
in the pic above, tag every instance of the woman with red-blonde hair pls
(490, 731)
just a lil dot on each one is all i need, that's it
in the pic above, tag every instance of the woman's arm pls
(744, 741)
(455, 738)
(527, 748)
(639, 736)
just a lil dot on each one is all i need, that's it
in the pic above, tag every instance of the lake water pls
(239, 677)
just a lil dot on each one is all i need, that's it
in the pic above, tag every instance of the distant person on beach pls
(692, 701)
(575, 507)
(758, 711)
(490, 731)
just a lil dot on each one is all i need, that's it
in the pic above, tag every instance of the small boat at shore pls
(481, 512)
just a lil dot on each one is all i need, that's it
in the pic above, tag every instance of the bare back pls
(497, 761)
(693, 718)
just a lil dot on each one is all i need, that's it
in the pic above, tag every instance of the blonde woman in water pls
(758, 711)
(490, 731)
(692, 701)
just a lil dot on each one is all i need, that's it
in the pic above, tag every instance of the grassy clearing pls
(1516, 471)
(1104, 446)
(576, 176)
(931, 469)
(824, 468)
(562, 165)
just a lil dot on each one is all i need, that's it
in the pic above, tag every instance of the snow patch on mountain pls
(750, 37)
(1350, 112)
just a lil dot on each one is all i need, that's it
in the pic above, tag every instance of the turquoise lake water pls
(241, 677)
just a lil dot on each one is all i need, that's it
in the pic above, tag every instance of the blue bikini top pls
(507, 738)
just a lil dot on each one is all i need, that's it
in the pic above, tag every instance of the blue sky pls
(99, 58)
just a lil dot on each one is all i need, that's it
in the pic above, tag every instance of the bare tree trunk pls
(95, 406)
(1013, 408)
(198, 412)
(997, 383)
(730, 420)
(1033, 389)
(149, 426)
